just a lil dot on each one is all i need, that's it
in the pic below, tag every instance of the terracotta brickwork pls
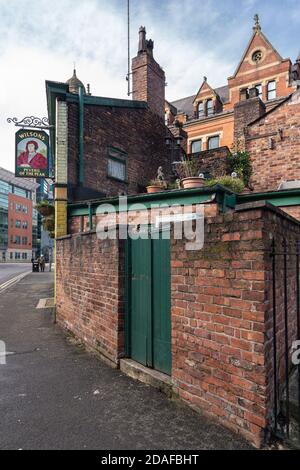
(273, 143)
(260, 65)
(221, 320)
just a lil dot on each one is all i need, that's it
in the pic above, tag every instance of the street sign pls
(32, 154)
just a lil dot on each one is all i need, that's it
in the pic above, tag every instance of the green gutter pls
(281, 198)
(182, 197)
(81, 136)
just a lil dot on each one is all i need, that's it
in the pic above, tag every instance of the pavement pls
(55, 395)
(10, 270)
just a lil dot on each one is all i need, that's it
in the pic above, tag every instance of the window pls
(259, 89)
(24, 240)
(25, 224)
(24, 255)
(11, 255)
(213, 142)
(117, 164)
(17, 255)
(196, 146)
(18, 223)
(200, 109)
(18, 239)
(209, 107)
(271, 90)
(257, 56)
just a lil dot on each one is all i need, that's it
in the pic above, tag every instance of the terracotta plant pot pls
(45, 211)
(192, 182)
(154, 189)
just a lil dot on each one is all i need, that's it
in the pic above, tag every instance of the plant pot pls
(45, 211)
(154, 189)
(192, 182)
(48, 224)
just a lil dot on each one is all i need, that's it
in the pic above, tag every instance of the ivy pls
(240, 163)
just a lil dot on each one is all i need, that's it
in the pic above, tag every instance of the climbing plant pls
(240, 163)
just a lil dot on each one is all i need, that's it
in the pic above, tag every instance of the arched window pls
(200, 109)
(209, 107)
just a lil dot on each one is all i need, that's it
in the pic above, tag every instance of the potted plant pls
(48, 224)
(158, 184)
(190, 174)
(45, 208)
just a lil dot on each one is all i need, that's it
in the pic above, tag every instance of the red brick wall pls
(138, 132)
(148, 83)
(221, 320)
(89, 292)
(221, 310)
(281, 163)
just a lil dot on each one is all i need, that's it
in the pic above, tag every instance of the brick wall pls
(275, 154)
(221, 310)
(148, 83)
(221, 328)
(246, 112)
(86, 303)
(214, 162)
(137, 132)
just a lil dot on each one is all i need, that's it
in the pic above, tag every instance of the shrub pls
(235, 184)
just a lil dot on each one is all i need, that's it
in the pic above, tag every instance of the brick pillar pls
(245, 112)
(61, 169)
(148, 78)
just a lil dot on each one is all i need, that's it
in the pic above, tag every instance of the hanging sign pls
(32, 154)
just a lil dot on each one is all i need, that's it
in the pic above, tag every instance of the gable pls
(204, 91)
(266, 55)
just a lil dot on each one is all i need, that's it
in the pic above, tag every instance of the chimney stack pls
(148, 78)
(246, 111)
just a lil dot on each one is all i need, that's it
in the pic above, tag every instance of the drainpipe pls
(81, 136)
(90, 216)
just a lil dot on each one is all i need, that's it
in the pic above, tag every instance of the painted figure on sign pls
(31, 158)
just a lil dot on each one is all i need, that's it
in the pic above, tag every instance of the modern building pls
(18, 218)
(208, 117)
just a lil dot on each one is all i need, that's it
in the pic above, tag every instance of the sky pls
(41, 39)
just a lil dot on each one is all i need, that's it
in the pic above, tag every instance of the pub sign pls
(32, 154)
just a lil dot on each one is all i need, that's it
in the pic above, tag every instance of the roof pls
(23, 183)
(74, 83)
(185, 105)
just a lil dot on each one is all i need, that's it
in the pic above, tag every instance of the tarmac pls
(56, 395)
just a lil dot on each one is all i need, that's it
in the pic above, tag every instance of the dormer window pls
(209, 107)
(200, 109)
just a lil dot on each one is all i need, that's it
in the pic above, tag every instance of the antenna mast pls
(128, 38)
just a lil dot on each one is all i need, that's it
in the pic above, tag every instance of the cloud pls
(40, 40)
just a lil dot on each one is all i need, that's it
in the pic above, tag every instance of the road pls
(10, 270)
(55, 395)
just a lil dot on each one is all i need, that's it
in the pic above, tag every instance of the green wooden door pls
(140, 308)
(161, 305)
(149, 308)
